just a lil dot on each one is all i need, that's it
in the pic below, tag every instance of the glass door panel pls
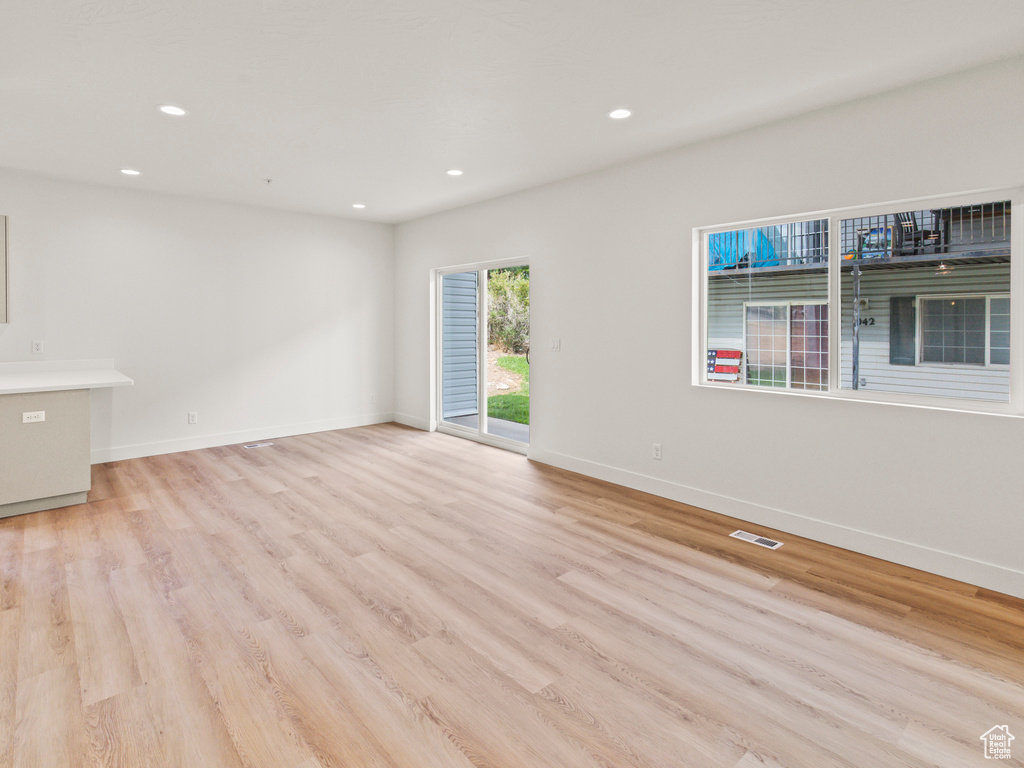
(460, 345)
(507, 378)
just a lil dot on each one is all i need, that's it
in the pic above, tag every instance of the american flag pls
(724, 364)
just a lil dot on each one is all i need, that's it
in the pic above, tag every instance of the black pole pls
(856, 310)
(856, 323)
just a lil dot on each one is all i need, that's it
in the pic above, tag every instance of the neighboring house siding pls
(726, 298)
(459, 345)
(922, 378)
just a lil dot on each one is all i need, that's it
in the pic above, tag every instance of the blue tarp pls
(745, 248)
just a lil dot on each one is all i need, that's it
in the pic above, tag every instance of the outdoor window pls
(767, 339)
(965, 330)
(786, 345)
(953, 331)
(911, 301)
(808, 356)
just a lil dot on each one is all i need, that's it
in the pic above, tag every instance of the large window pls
(767, 291)
(913, 301)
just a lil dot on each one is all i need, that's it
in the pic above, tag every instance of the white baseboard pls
(414, 421)
(953, 566)
(121, 453)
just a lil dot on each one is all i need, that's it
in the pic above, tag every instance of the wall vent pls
(258, 445)
(761, 541)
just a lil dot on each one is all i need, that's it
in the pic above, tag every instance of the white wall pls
(265, 323)
(610, 258)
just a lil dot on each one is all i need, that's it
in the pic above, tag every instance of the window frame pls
(839, 315)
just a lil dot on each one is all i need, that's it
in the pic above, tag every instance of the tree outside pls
(508, 309)
(508, 331)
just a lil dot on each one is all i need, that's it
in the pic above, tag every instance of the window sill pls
(978, 407)
(961, 366)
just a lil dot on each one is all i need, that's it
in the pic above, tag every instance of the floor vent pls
(258, 445)
(761, 541)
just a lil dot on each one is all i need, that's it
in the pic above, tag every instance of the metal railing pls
(794, 244)
(959, 229)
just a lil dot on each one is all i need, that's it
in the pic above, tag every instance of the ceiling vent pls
(761, 541)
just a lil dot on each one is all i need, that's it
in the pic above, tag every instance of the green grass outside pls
(766, 377)
(515, 406)
(509, 407)
(516, 364)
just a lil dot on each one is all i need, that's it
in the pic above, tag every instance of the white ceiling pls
(371, 101)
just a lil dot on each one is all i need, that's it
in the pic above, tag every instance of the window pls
(3, 270)
(768, 301)
(911, 301)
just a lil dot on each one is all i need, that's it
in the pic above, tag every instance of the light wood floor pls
(387, 597)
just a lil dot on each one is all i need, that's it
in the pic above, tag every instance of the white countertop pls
(56, 375)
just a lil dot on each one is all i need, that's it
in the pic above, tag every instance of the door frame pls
(437, 356)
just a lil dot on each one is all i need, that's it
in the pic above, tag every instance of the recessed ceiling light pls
(170, 109)
(454, 172)
(358, 205)
(619, 114)
(130, 172)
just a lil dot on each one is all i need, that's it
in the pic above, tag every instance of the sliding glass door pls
(484, 370)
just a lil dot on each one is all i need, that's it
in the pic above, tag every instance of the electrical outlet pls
(30, 417)
(37, 347)
(656, 451)
(193, 417)
(556, 345)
